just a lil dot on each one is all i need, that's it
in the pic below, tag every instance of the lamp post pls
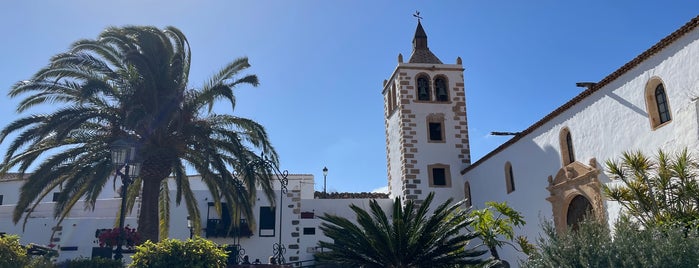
(124, 157)
(283, 178)
(189, 226)
(325, 178)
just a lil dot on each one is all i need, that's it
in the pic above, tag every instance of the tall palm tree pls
(132, 82)
(413, 237)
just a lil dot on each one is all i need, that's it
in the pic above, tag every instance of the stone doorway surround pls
(575, 179)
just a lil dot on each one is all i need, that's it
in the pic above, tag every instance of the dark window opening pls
(661, 101)
(267, 221)
(435, 131)
(511, 178)
(439, 177)
(569, 144)
(1, 196)
(55, 196)
(309, 231)
(423, 89)
(307, 215)
(467, 192)
(441, 88)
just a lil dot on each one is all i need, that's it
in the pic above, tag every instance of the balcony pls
(223, 228)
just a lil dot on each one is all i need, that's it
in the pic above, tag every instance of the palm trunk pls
(494, 253)
(148, 220)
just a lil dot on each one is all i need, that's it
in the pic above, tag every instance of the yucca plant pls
(655, 191)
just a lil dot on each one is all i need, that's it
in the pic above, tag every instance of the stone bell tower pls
(426, 128)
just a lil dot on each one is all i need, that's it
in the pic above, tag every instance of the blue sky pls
(322, 63)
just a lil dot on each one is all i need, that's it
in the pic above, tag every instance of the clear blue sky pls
(322, 63)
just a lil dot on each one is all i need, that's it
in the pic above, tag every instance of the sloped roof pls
(421, 53)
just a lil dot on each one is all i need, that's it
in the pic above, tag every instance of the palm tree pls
(414, 237)
(132, 82)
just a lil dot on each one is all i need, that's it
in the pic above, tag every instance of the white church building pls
(550, 170)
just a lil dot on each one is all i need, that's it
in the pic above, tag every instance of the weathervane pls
(417, 15)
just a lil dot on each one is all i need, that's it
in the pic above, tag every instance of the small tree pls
(12, 254)
(656, 191)
(191, 253)
(490, 227)
(413, 237)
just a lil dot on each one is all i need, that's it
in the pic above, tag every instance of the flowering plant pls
(109, 237)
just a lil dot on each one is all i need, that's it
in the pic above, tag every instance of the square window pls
(309, 231)
(435, 131)
(55, 196)
(439, 177)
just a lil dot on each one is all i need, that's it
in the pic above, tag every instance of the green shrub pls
(90, 263)
(12, 254)
(40, 262)
(191, 253)
(592, 245)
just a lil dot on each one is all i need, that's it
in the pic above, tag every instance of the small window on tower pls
(438, 178)
(56, 195)
(435, 128)
(1, 196)
(439, 175)
(436, 131)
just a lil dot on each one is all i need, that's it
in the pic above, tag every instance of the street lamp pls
(124, 158)
(325, 178)
(283, 178)
(189, 225)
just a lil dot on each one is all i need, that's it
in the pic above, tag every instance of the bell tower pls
(426, 128)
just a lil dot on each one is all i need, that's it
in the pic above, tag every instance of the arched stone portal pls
(575, 193)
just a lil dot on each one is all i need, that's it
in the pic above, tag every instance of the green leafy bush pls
(41, 262)
(191, 253)
(593, 245)
(12, 254)
(90, 263)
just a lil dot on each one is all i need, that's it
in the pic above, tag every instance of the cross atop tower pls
(417, 15)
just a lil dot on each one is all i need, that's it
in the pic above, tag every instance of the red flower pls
(129, 237)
